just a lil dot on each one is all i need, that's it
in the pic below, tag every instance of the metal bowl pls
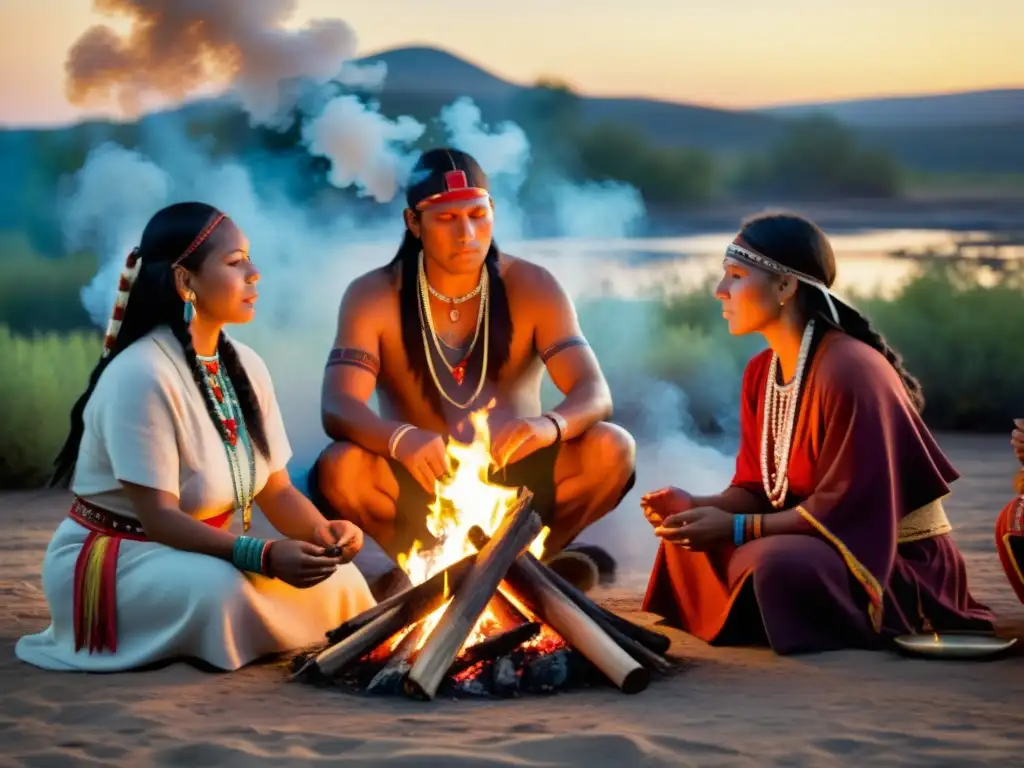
(955, 645)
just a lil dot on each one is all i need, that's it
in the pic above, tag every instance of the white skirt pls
(173, 604)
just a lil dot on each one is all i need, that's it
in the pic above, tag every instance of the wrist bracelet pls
(396, 438)
(247, 554)
(738, 529)
(561, 425)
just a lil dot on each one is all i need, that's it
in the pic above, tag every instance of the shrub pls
(41, 378)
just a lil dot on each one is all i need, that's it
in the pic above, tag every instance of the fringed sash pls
(95, 597)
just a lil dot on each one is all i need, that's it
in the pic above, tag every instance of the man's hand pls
(701, 529)
(340, 538)
(659, 505)
(423, 453)
(521, 437)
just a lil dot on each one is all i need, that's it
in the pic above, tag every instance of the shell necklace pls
(780, 409)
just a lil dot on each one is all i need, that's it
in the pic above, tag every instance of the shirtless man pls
(441, 334)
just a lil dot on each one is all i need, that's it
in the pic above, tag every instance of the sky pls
(726, 53)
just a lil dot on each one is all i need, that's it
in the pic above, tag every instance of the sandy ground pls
(732, 707)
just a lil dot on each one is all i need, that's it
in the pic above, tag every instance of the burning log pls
(496, 646)
(651, 640)
(519, 527)
(586, 635)
(358, 636)
(390, 678)
(450, 578)
(355, 646)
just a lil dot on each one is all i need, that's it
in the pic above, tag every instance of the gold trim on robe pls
(863, 575)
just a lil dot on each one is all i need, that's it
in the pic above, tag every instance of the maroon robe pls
(861, 460)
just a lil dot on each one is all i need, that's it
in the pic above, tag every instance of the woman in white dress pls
(175, 438)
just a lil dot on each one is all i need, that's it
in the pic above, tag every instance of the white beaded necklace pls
(780, 408)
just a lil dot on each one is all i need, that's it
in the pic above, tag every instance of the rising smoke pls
(175, 46)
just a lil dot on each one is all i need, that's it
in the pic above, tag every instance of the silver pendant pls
(454, 315)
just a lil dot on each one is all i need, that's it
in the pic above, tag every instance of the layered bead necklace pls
(780, 409)
(233, 435)
(458, 371)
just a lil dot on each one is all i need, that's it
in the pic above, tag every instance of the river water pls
(637, 267)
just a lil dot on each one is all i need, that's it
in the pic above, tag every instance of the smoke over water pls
(175, 46)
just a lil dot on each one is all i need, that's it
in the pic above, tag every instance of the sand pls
(732, 707)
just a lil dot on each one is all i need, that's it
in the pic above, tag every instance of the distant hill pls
(424, 79)
(997, 107)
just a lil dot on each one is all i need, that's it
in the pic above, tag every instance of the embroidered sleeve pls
(355, 357)
(561, 346)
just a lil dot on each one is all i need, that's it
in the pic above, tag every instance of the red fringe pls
(101, 632)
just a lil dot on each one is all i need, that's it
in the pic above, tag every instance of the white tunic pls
(146, 423)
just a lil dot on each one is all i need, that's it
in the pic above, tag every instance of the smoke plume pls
(306, 263)
(175, 47)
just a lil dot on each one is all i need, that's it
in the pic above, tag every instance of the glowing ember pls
(465, 499)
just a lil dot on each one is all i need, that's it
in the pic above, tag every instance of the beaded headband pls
(741, 252)
(131, 271)
(217, 219)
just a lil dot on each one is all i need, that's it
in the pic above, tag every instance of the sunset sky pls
(731, 53)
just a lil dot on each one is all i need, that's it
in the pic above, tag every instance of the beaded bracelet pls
(738, 529)
(249, 554)
(746, 528)
(396, 438)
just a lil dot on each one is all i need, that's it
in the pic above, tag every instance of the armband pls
(356, 357)
(561, 346)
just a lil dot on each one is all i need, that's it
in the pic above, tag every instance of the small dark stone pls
(504, 679)
(547, 673)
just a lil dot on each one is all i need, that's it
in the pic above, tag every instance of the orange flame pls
(465, 499)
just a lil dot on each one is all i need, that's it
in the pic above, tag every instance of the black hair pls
(798, 243)
(428, 179)
(154, 301)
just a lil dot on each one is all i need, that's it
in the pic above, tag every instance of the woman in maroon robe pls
(832, 533)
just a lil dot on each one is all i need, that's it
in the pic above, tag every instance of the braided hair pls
(799, 244)
(186, 235)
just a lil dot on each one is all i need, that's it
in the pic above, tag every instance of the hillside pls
(423, 79)
(946, 110)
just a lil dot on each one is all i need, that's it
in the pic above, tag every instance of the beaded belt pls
(104, 521)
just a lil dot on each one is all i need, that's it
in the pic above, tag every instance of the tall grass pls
(40, 379)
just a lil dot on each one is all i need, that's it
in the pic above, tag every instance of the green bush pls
(41, 294)
(956, 327)
(41, 378)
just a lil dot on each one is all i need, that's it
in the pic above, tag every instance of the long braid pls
(858, 326)
(181, 333)
(250, 404)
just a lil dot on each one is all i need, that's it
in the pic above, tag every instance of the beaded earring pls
(190, 308)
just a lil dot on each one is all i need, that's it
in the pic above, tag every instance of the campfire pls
(484, 615)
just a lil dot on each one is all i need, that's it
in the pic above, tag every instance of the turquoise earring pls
(190, 308)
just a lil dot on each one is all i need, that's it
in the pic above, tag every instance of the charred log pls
(518, 528)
